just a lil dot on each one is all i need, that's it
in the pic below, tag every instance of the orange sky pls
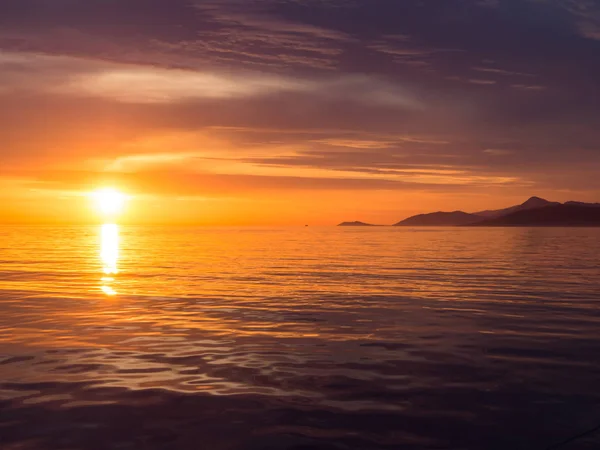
(238, 114)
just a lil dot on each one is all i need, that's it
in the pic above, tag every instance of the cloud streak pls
(143, 84)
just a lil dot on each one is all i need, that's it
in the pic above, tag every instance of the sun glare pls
(109, 201)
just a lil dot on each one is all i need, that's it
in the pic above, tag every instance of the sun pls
(109, 201)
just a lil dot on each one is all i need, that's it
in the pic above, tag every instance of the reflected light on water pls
(107, 289)
(109, 254)
(374, 338)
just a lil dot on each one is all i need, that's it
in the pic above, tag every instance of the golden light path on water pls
(109, 254)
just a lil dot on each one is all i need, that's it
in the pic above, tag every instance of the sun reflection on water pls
(109, 254)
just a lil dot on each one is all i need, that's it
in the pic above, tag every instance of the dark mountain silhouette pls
(589, 205)
(534, 212)
(439, 219)
(355, 224)
(553, 215)
(532, 203)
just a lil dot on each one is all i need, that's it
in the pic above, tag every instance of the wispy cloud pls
(497, 152)
(161, 85)
(587, 16)
(501, 71)
(528, 87)
(590, 28)
(144, 84)
(402, 49)
(390, 167)
(479, 81)
(255, 34)
(355, 143)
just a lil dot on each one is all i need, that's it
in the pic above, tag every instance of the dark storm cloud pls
(508, 87)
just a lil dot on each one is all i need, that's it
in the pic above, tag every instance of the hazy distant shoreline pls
(535, 212)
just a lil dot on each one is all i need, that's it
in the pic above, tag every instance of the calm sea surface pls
(308, 338)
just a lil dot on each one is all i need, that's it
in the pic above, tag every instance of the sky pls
(293, 112)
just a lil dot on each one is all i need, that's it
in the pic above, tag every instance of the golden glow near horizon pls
(109, 201)
(109, 254)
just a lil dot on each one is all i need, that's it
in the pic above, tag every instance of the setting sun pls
(109, 201)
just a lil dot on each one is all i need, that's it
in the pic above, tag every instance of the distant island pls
(535, 212)
(356, 224)
(439, 219)
(549, 216)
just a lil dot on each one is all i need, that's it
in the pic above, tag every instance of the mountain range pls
(535, 211)
(355, 224)
(532, 203)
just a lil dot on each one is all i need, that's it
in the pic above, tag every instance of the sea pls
(120, 337)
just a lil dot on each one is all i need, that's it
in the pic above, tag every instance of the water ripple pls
(289, 339)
